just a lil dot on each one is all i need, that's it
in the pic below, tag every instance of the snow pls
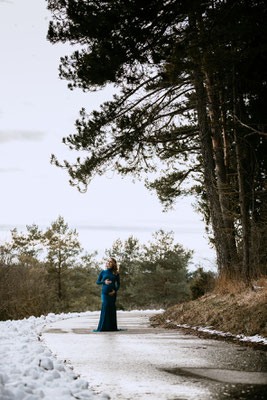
(255, 339)
(30, 371)
(242, 338)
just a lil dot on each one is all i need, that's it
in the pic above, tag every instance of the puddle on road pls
(55, 330)
(227, 384)
(79, 331)
(222, 375)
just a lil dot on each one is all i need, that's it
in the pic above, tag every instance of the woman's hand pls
(112, 293)
(108, 281)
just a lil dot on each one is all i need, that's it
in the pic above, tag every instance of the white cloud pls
(6, 170)
(8, 136)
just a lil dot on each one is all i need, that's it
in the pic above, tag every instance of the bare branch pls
(250, 128)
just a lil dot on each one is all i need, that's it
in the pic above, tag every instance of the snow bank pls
(242, 338)
(28, 369)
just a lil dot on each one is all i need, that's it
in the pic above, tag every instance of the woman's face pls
(109, 264)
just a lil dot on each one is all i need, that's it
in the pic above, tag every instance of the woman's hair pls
(115, 267)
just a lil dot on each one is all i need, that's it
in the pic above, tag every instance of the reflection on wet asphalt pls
(155, 363)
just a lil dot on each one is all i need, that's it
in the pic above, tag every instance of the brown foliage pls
(24, 291)
(231, 307)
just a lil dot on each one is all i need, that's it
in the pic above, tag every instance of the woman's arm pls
(118, 282)
(99, 279)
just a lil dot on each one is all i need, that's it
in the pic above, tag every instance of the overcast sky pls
(36, 111)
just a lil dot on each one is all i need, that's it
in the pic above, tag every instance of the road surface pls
(154, 363)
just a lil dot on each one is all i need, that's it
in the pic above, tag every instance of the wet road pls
(155, 363)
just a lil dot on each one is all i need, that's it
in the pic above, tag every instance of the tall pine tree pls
(192, 82)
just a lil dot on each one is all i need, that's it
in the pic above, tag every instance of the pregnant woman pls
(110, 281)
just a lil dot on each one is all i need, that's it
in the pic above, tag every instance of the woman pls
(110, 281)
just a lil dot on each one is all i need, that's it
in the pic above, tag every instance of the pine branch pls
(254, 131)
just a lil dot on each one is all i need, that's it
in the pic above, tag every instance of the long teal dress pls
(108, 316)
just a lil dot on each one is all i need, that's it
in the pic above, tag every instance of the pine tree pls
(192, 79)
(62, 247)
(153, 275)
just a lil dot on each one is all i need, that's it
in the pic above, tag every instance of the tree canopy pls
(152, 275)
(193, 87)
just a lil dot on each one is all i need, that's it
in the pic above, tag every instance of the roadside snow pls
(242, 338)
(29, 371)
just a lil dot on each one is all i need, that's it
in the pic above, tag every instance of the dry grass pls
(224, 285)
(230, 308)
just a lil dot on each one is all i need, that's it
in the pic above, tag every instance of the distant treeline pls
(48, 271)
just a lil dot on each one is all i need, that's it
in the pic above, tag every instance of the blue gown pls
(108, 316)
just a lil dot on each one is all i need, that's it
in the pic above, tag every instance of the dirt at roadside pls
(239, 313)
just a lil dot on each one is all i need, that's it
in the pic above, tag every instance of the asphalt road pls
(155, 363)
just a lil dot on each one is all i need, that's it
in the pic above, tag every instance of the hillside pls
(239, 313)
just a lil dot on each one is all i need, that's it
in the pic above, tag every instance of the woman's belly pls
(107, 288)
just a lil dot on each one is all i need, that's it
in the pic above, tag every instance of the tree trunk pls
(221, 245)
(59, 293)
(224, 254)
(59, 277)
(244, 211)
(223, 184)
(243, 195)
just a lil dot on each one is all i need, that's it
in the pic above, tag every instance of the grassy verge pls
(228, 309)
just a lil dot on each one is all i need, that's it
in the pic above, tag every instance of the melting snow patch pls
(255, 339)
(243, 338)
